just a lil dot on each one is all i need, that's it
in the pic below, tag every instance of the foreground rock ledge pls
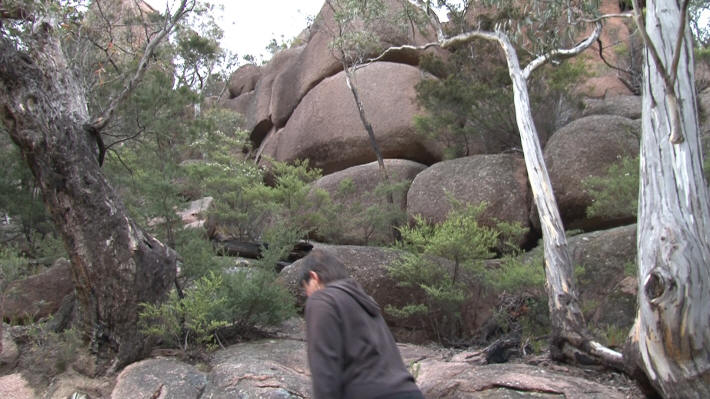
(277, 368)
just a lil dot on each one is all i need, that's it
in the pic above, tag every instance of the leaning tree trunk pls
(569, 338)
(115, 265)
(672, 330)
(565, 314)
(384, 176)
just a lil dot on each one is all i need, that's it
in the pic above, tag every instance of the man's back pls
(351, 351)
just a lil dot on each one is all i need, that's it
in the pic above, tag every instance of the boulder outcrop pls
(255, 105)
(244, 80)
(326, 128)
(588, 147)
(500, 180)
(354, 189)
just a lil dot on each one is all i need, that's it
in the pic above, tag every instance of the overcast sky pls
(249, 25)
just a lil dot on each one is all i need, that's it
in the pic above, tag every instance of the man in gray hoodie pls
(351, 352)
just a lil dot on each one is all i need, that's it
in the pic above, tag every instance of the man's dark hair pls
(326, 265)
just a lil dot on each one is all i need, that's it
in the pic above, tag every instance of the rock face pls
(500, 180)
(626, 106)
(326, 127)
(268, 95)
(38, 296)
(360, 195)
(255, 105)
(367, 265)
(193, 216)
(244, 80)
(607, 256)
(9, 354)
(584, 148)
(164, 378)
(317, 61)
(14, 386)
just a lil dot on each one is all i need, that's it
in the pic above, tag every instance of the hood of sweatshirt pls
(353, 288)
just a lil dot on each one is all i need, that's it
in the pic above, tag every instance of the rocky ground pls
(276, 367)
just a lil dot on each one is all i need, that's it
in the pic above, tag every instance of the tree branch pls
(563, 53)
(676, 136)
(100, 122)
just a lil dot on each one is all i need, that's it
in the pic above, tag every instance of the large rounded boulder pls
(317, 61)
(584, 148)
(359, 191)
(38, 296)
(326, 128)
(500, 180)
(626, 106)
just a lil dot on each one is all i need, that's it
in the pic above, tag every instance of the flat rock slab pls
(278, 369)
(460, 380)
(13, 386)
(160, 378)
(268, 369)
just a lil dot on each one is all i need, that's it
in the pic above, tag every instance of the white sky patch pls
(249, 26)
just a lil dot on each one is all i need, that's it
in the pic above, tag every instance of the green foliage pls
(537, 25)
(348, 212)
(239, 300)
(471, 101)
(246, 206)
(355, 38)
(197, 255)
(516, 276)
(470, 108)
(13, 266)
(616, 193)
(19, 195)
(446, 289)
(192, 319)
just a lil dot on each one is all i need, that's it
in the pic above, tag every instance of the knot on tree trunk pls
(657, 285)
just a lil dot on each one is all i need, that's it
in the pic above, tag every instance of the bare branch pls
(649, 45)
(564, 53)
(679, 40)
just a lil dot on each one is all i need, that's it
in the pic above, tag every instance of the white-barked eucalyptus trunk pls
(672, 330)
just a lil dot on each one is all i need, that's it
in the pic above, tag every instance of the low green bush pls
(446, 290)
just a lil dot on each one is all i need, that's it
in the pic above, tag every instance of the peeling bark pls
(672, 330)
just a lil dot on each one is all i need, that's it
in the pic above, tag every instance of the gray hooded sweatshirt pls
(351, 352)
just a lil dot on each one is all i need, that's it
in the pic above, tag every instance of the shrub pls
(349, 213)
(194, 318)
(461, 240)
(238, 300)
(522, 308)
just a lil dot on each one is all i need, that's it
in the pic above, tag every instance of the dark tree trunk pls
(115, 265)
